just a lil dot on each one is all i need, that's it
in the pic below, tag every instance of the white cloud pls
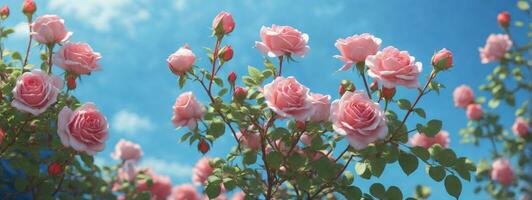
(21, 31)
(172, 169)
(180, 4)
(129, 122)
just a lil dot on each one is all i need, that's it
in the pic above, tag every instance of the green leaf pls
(437, 173)
(212, 190)
(377, 190)
(408, 162)
(87, 159)
(274, 159)
(360, 168)
(404, 104)
(422, 192)
(523, 5)
(222, 91)
(420, 152)
(420, 112)
(377, 167)
(453, 186)
(216, 128)
(255, 74)
(16, 56)
(250, 157)
(351, 193)
(182, 81)
(21, 184)
(432, 128)
(394, 193)
(446, 157)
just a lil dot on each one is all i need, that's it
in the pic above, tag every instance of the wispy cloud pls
(21, 31)
(180, 4)
(128, 122)
(173, 169)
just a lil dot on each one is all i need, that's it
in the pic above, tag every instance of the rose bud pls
(443, 59)
(231, 78)
(341, 90)
(226, 53)
(4, 12)
(348, 85)
(374, 86)
(54, 169)
(227, 26)
(203, 146)
(503, 19)
(71, 82)
(301, 125)
(240, 94)
(388, 93)
(29, 7)
(2, 135)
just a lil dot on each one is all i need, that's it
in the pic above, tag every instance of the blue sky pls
(136, 90)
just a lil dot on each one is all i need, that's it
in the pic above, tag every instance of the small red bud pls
(374, 86)
(29, 7)
(232, 78)
(388, 93)
(2, 135)
(4, 12)
(203, 146)
(226, 53)
(503, 19)
(240, 94)
(301, 125)
(341, 90)
(54, 169)
(71, 82)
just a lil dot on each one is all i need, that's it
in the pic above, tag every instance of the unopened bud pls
(203, 146)
(226, 53)
(71, 82)
(231, 78)
(240, 94)
(503, 19)
(4, 12)
(388, 93)
(374, 86)
(29, 7)
(54, 169)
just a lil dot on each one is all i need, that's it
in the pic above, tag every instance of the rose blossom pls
(49, 29)
(84, 129)
(249, 139)
(282, 40)
(126, 150)
(184, 192)
(288, 98)
(474, 111)
(321, 107)
(239, 196)
(356, 48)
(77, 57)
(358, 118)
(161, 188)
(502, 172)
(228, 23)
(463, 96)
(496, 46)
(35, 91)
(202, 170)
(442, 55)
(422, 140)
(392, 67)
(29, 7)
(181, 61)
(520, 127)
(306, 138)
(187, 111)
(125, 173)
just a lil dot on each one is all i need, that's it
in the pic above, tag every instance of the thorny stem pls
(29, 45)
(50, 53)
(365, 83)
(280, 65)
(214, 58)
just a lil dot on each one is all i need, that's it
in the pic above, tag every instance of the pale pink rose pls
(321, 107)
(126, 150)
(356, 48)
(228, 23)
(474, 111)
(282, 40)
(161, 188)
(187, 111)
(422, 140)
(77, 57)
(181, 61)
(288, 98)
(359, 119)
(239, 196)
(496, 46)
(202, 170)
(184, 192)
(463, 96)
(49, 29)
(520, 127)
(249, 139)
(35, 91)
(393, 67)
(84, 129)
(502, 172)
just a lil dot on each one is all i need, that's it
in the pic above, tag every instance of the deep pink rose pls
(49, 29)
(358, 118)
(442, 55)
(502, 172)
(282, 40)
(463, 96)
(228, 23)
(249, 139)
(187, 111)
(474, 111)
(393, 67)
(84, 129)
(184, 192)
(126, 150)
(520, 127)
(288, 98)
(321, 107)
(181, 61)
(35, 91)
(161, 188)
(422, 140)
(496, 46)
(239, 196)
(356, 48)
(77, 57)
(202, 170)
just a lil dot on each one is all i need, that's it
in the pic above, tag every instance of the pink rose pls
(187, 111)
(228, 23)
(442, 55)
(356, 48)
(249, 139)
(393, 67)
(288, 98)
(125, 173)
(2, 135)
(422, 140)
(84, 129)
(282, 40)
(202, 170)
(126, 150)
(35, 91)
(502, 172)
(463, 96)
(306, 138)
(181, 61)
(520, 127)
(184, 192)
(496, 46)
(49, 29)
(77, 57)
(358, 118)
(161, 188)
(474, 111)
(321, 107)
(239, 196)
